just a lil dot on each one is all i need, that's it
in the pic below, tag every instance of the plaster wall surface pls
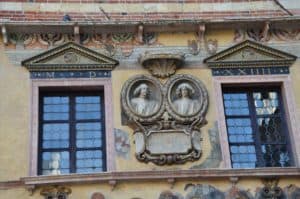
(15, 113)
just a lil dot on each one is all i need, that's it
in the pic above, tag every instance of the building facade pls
(149, 99)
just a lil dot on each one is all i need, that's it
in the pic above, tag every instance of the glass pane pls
(56, 108)
(89, 135)
(89, 161)
(270, 130)
(236, 104)
(266, 103)
(88, 107)
(55, 135)
(243, 156)
(55, 163)
(276, 155)
(239, 130)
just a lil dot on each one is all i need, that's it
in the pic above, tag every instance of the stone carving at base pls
(270, 190)
(97, 195)
(166, 118)
(292, 192)
(55, 192)
(203, 191)
(169, 195)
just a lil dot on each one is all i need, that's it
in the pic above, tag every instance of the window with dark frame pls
(256, 127)
(72, 133)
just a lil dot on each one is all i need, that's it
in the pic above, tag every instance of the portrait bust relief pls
(187, 98)
(185, 104)
(142, 99)
(141, 102)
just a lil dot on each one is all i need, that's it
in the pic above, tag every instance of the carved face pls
(144, 90)
(184, 92)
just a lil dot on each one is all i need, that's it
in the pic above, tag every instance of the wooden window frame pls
(288, 99)
(72, 149)
(38, 85)
(249, 89)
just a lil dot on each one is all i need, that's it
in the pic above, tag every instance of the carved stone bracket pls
(162, 65)
(270, 189)
(166, 118)
(56, 192)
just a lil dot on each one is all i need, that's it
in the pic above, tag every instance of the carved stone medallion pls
(142, 99)
(166, 118)
(187, 98)
(71, 58)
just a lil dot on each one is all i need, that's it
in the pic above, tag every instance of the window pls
(72, 132)
(256, 127)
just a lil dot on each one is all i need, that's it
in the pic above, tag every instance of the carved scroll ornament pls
(166, 118)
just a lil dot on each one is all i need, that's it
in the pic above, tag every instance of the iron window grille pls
(256, 127)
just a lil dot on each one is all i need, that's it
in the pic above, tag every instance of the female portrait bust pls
(141, 102)
(184, 104)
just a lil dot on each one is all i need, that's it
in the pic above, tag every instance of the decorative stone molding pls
(248, 54)
(121, 37)
(266, 34)
(161, 65)
(55, 192)
(166, 118)
(69, 57)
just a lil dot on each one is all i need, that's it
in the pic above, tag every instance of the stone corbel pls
(113, 184)
(265, 31)
(201, 32)
(140, 33)
(172, 182)
(234, 181)
(4, 35)
(77, 34)
(31, 189)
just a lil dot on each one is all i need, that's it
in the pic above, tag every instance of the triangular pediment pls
(69, 56)
(250, 53)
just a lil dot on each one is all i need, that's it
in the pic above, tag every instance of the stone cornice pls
(151, 176)
(111, 26)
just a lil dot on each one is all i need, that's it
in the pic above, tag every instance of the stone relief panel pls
(122, 143)
(166, 118)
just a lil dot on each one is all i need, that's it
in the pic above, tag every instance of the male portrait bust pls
(184, 104)
(141, 102)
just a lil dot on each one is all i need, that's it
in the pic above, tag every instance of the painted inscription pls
(250, 71)
(69, 74)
